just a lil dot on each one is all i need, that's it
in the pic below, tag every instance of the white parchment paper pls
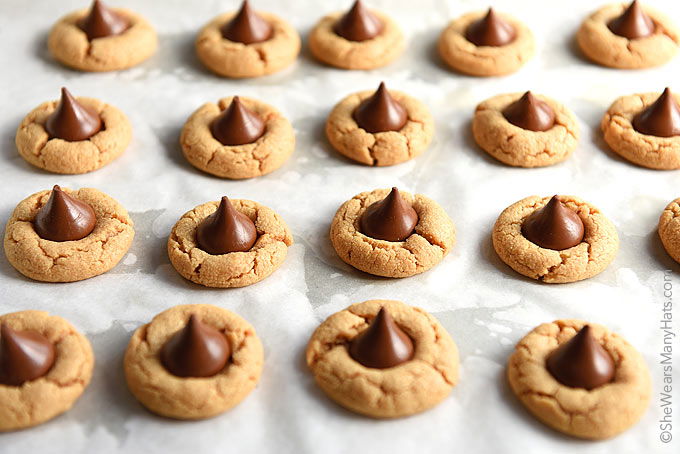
(485, 306)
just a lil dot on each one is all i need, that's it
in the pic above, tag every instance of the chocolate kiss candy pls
(24, 356)
(102, 22)
(71, 120)
(358, 24)
(554, 226)
(491, 30)
(391, 219)
(226, 230)
(581, 362)
(247, 27)
(197, 350)
(383, 344)
(381, 112)
(633, 23)
(661, 119)
(237, 125)
(529, 112)
(64, 218)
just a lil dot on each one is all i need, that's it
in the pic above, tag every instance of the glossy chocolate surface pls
(226, 230)
(581, 362)
(64, 218)
(383, 344)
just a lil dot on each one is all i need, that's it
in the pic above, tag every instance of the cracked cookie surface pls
(69, 44)
(600, 413)
(644, 150)
(411, 387)
(42, 399)
(382, 148)
(235, 269)
(432, 239)
(606, 48)
(237, 60)
(519, 147)
(595, 252)
(68, 261)
(261, 157)
(332, 49)
(61, 156)
(669, 229)
(192, 397)
(468, 58)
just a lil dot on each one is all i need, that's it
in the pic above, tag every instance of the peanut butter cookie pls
(424, 246)
(233, 269)
(598, 413)
(68, 260)
(590, 255)
(647, 150)
(522, 147)
(42, 149)
(55, 390)
(652, 39)
(358, 39)
(193, 397)
(669, 229)
(486, 59)
(261, 44)
(265, 154)
(412, 386)
(383, 148)
(113, 39)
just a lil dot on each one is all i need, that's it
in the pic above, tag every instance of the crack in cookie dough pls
(261, 157)
(641, 149)
(42, 399)
(433, 238)
(334, 50)
(408, 388)
(235, 269)
(382, 148)
(602, 46)
(519, 147)
(467, 58)
(237, 60)
(596, 414)
(69, 44)
(590, 257)
(68, 261)
(192, 398)
(60, 156)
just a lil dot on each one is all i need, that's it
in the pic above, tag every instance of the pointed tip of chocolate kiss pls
(661, 118)
(226, 230)
(633, 23)
(71, 120)
(554, 226)
(196, 350)
(581, 362)
(530, 113)
(101, 21)
(490, 30)
(24, 356)
(358, 24)
(383, 344)
(390, 219)
(247, 26)
(380, 112)
(64, 218)
(237, 125)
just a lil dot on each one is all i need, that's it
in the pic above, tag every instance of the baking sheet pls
(485, 306)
